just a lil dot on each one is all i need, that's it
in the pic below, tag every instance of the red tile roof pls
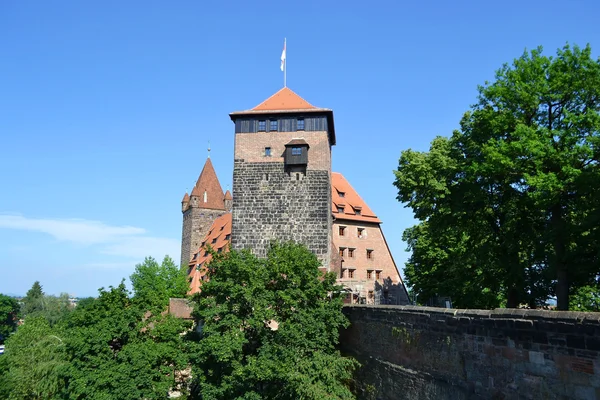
(228, 196)
(218, 237)
(344, 195)
(285, 99)
(209, 183)
(186, 198)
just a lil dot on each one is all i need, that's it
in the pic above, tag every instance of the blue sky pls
(106, 108)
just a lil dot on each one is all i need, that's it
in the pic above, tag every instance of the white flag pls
(283, 57)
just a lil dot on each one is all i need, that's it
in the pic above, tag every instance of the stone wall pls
(196, 223)
(269, 204)
(412, 352)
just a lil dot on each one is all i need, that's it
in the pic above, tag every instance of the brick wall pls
(280, 208)
(371, 288)
(412, 352)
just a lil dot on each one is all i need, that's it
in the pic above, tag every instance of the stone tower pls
(205, 204)
(282, 175)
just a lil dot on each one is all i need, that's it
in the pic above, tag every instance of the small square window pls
(262, 126)
(267, 152)
(219, 250)
(296, 151)
(351, 252)
(356, 212)
(342, 194)
(351, 273)
(342, 230)
(227, 237)
(342, 249)
(378, 275)
(370, 274)
(214, 241)
(300, 124)
(369, 254)
(340, 209)
(273, 125)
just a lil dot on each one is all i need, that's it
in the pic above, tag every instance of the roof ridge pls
(299, 102)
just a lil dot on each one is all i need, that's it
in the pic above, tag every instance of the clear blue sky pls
(106, 108)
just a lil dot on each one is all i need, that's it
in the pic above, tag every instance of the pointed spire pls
(228, 195)
(208, 189)
(186, 198)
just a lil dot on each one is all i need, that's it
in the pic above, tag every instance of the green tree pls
(34, 362)
(33, 299)
(270, 328)
(117, 349)
(510, 203)
(153, 283)
(9, 310)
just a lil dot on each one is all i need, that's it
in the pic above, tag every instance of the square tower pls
(282, 175)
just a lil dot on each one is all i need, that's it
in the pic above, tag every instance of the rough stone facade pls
(410, 352)
(270, 204)
(196, 224)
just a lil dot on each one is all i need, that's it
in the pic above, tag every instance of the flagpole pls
(285, 63)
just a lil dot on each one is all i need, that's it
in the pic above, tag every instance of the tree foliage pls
(509, 205)
(270, 328)
(9, 311)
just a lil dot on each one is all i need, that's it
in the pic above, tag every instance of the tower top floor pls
(285, 111)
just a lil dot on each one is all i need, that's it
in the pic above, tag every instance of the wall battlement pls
(411, 352)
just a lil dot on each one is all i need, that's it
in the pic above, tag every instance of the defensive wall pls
(410, 352)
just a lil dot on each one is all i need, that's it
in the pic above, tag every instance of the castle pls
(284, 189)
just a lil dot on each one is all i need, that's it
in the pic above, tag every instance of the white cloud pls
(122, 241)
(73, 230)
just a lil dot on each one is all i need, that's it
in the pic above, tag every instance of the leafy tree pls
(119, 350)
(34, 362)
(9, 310)
(33, 299)
(154, 283)
(270, 328)
(586, 298)
(509, 204)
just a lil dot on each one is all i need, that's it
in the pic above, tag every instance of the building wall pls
(250, 147)
(280, 208)
(387, 288)
(196, 224)
(410, 352)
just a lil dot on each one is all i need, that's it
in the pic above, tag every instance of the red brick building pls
(284, 189)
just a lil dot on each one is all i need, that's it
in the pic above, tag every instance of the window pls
(340, 209)
(227, 237)
(262, 126)
(214, 241)
(296, 151)
(222, 228)
(377, 275)
(265, 177)
(351, 273)
(370, 274)
(342, 249)
(361, 233)
(341, 194)
(206, 253)
(351, 252)
(273, 125)
(369, 254)
(342, 231)
(300, 124)
(220, 249)
(356, 212)
(267, 152)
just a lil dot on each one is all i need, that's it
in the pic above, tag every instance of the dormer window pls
(340, 209)
(296, 151)
(341, 194)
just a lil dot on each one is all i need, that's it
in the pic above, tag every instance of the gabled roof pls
(298, 142)
(228, 196)
(209, 183)
(355, 208)
(220, 234)
(285, 99)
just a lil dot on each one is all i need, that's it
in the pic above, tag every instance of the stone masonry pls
(196, 224)
(410, 352)
(270, 204)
